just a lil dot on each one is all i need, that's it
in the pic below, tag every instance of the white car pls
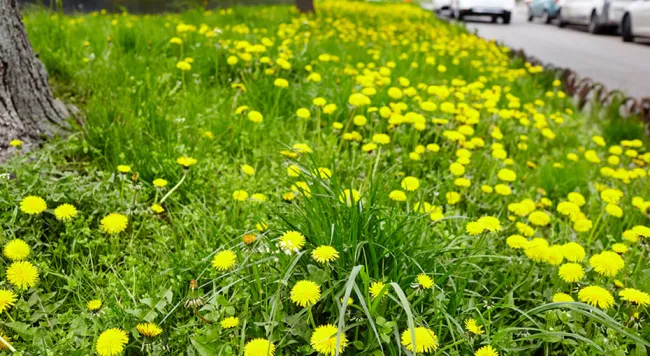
(441, 6)
(494, 8)
(636, 20)
(597, 15)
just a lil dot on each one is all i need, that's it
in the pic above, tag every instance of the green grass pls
(141, 111)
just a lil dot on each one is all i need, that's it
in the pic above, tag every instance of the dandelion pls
(571, 272)
(16, 143)
(539, 218)
(349, 197)
(573, 252)
(631, 295)
(240, 195)
(7, 340)
(114, 223)
(562, 298)
(94, 305)
(33, 205)
(424, 281)
(255, 116)
(410, 183)
(376, 288)
(517, 241)
(596, 296)
(122, 168)
(425, 340)
(324, 254)
(472, 327)
(157, 208)
(160, 183)
(259, 347)
(292, 241)
(65, 212)
(224, 260)
(507, 175)
(186, 162)
(486, 351)
(16, 250)
(149, 330)
(111, 342)
(248, 239)
(247, 169)
(230, 322)
(323, 340)
(305, 293)
(22, 274)
(607, 263)
(7, 299)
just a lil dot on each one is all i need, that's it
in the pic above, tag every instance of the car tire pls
(593, 26)
(626, 29)
(560, 21)
(546, 18)
(530, 15)
(506, 18)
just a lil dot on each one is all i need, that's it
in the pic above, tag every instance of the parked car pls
(636, 20)
(441, 6)
(493, 8)
(597, 15)
(547, 10)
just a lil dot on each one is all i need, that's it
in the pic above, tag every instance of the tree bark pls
(304, 6)
(28, 110)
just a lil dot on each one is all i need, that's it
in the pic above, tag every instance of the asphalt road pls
(604, 58)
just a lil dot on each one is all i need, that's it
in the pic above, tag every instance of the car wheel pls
(593, 27)
(560, 20)
(530, 15)
(506, 18)
(546, 18)
(626, 29)
(494, 19)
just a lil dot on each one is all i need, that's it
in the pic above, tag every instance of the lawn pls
(366, 180)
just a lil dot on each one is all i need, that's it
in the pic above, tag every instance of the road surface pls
(604, 58)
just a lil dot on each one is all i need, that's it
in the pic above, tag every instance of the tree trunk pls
(304, 6)
(28, 111)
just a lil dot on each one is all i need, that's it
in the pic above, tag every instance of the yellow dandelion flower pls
(571, 272)
(471, 326)
(224, 260)
(150, 330)
(486, 351)
(607, 263)
(349, 197)
(114, 223)
(517, 241)
(425, 340)
(16, 250)
(324, 254)
(573, 252)
(33, 205)
(122, 168)
(240, 195)
(157, 208)
(323, 340)
(632, 295)
(65, 212)
(539, 218)
(111, 342)
(596, 296)
(376, 288)
(424, 281)
(186, 162)
(562, 298)
(160, 183)
(22, 274)
(7, 299)
(259, 347)
(229, 322)
(410, 183)
(94, 305)
(305, 293)
(292, 241)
